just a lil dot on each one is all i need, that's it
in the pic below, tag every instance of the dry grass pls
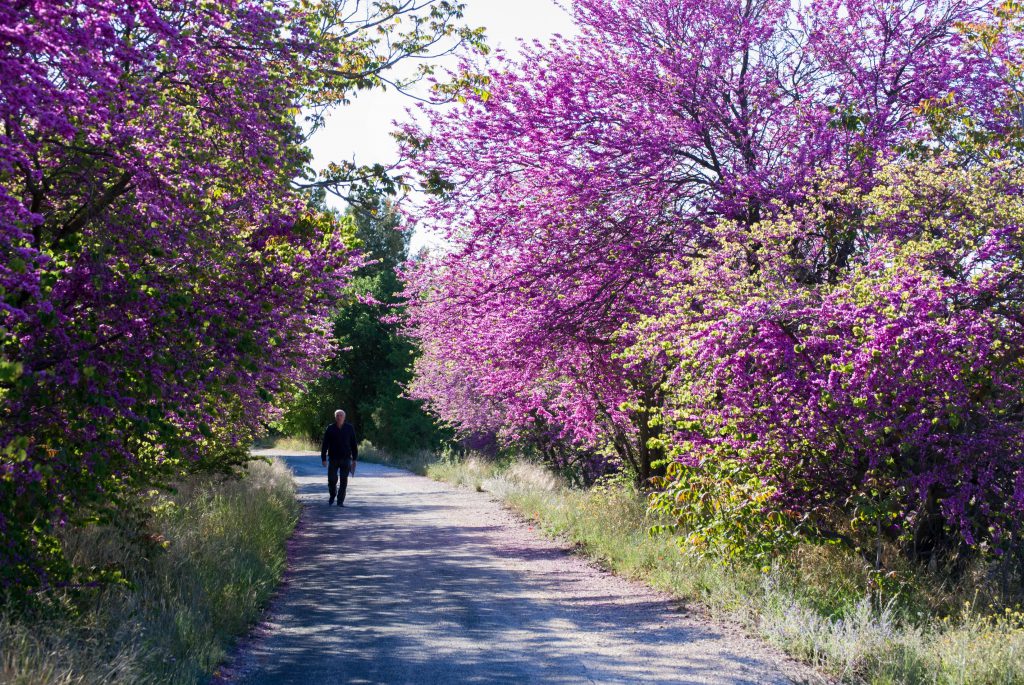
(417, 461)
(288, 443)
(183, 607)
(471, 473)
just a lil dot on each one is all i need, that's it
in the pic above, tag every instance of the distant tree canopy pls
(372, 361)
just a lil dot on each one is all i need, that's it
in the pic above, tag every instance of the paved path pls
(418, 582)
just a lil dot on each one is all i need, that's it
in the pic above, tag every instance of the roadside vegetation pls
(169, 270)
(819, 603)
(417, 461)
(195, 581)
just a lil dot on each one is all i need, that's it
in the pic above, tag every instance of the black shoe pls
(330, 501)
(340, 504)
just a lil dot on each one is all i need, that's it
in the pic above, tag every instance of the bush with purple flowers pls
(166, 272)
(767, 253)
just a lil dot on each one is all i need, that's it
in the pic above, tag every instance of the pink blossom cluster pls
(886, 397)
(161, 282)
(623, 211)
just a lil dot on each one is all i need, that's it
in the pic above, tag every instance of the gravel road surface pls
(414, 581)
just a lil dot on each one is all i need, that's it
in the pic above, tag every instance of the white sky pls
(361, 130)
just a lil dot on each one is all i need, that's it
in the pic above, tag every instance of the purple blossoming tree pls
(607, 194)
(164, 276)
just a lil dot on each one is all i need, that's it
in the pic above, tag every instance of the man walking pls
(339, 444)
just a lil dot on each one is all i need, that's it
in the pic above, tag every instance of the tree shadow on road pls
(401, 588)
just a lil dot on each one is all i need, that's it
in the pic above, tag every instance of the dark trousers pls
(337, 478)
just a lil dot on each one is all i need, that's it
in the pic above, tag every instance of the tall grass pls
(472, 472)
(416, 461)
(284, 442)
(815, 605)
(180, 608)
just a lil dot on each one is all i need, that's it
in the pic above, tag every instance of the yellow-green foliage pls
(721, 508)
(173, 623)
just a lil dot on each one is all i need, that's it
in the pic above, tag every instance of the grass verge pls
(181, 608)
(418, 462)
(814, 605)
(287, 443)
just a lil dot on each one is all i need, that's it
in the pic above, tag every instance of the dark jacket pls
(339, 443)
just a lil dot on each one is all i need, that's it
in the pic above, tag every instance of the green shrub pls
(720, 509)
